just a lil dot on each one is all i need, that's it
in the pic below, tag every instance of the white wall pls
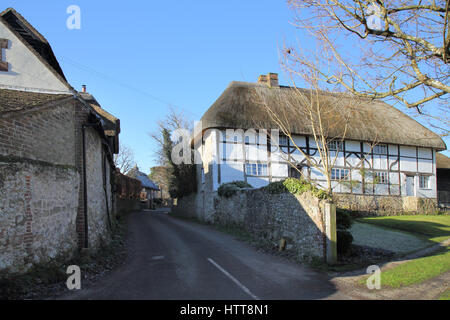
(236, 153)
(26, 71)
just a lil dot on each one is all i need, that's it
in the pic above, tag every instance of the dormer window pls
(3, 64)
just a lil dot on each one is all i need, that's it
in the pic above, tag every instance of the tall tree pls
(397, 50)
(181, 178)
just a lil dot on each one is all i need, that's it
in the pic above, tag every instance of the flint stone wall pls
(298, 219)
(38, 209)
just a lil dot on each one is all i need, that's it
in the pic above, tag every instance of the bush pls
(344, 241)
(296, 186)
(276, 187)
(229, 189)
(343, 219)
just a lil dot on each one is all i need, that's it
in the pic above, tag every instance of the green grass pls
(445, 295)
(434, 228)
(416, 271)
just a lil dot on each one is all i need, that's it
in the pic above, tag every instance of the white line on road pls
(240, 285)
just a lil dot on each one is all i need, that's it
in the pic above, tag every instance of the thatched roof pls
(245, 105)
(110, 122)
(442, 161)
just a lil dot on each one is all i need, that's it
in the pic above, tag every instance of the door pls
(409, 186)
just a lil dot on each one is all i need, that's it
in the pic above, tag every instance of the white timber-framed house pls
(398, 154)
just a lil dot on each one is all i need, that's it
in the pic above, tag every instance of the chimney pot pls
(83, 88)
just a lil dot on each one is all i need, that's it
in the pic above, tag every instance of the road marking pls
(240, 285)
(158, 258)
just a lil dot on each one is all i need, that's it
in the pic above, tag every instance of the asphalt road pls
(169, 258)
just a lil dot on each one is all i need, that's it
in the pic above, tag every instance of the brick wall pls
(44, 135)
(44, 205)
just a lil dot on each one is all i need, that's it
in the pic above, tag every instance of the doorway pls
(409, 186)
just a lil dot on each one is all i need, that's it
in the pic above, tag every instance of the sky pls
(139, 58)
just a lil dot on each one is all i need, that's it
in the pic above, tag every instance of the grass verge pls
(445, 295)
(434, 228)
(415, 271)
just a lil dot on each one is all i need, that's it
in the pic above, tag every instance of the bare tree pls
(124, 161)
(174, 120)
(324, 115)
(179, 178)
(398, 50)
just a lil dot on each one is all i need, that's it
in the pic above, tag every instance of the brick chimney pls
(271, 80)
(83, 88)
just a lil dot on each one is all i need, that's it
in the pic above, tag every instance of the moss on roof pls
(13, 100)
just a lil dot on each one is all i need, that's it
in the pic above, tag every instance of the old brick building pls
(56, 154)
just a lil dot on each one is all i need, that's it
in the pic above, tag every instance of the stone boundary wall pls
(366, 205)
(298, 219)
(124, 206)
(38, 209)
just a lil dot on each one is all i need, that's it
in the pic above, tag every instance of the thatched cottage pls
(385, 160)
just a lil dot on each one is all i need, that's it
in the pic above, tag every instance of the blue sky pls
(139, 57)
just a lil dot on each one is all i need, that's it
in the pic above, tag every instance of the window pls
(256, 169)
(381, 177)
(380, 149)
(424, 182)
(340, 174)
(3, 64)
(283, 141)
(336, 145)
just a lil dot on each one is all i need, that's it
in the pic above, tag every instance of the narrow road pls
(169, 258)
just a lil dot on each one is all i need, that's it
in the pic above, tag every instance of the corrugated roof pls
(242, 105)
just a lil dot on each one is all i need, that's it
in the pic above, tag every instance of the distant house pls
(443, 180)
(401, 165)
(56, 154)
(150, 191)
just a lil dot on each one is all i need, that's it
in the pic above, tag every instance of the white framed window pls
(336, 145)
(256, 169)
(380, 149)
(340, 174)
(424, 182)
(381, 177)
